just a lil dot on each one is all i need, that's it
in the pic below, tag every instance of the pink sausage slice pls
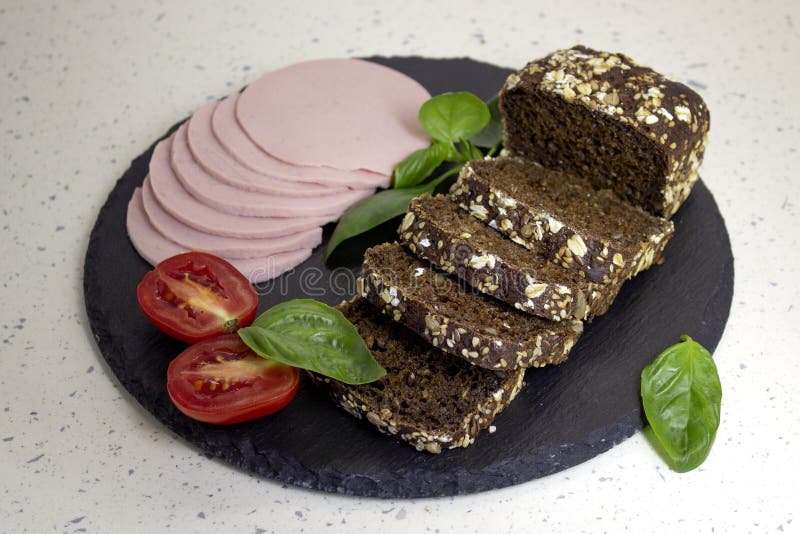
(155, 248)
(230, 135)
(215, 160)
(341, 113)
(171, 195)
(151, 245)
(227, 247)
(235, 201)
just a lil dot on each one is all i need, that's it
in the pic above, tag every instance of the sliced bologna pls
(154, 247)
(236, 142)
(180, 204)
(215, 160)
(341, 113)
(227, 247)
(235, 201)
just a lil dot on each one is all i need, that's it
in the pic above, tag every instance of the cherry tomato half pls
(195, 296)
(222, 381)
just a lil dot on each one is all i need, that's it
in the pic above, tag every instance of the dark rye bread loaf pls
(592, 232)
(436, 229)
(480, 329)
(427, 398)
(601, 116)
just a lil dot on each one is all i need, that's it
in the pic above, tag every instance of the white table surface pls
(86, 86)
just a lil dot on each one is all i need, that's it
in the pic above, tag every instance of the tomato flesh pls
(222, 381)
(195, 296)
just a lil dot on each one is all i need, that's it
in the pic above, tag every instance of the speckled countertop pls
(86, 86)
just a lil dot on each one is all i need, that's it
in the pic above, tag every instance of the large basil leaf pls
(379, 208)
(492, 133)
(450, 117)
(311, 335)
(681, 395)
(419, 165)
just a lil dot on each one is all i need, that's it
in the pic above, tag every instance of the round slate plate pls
(564, 416)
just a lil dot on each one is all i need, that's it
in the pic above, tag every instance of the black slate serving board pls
(564, 416)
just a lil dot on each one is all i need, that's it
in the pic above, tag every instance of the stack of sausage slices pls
(253, 178)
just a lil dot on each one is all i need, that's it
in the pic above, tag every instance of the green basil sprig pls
(458, 123)
(308, 334)
(681, 395)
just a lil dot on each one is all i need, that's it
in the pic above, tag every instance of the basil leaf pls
(452, 116)
(419, 165)
(379, 208)
(492, 133)
(681, 395)
(308, 334)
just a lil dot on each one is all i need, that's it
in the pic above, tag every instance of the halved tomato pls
(222, 381)
(195, 296)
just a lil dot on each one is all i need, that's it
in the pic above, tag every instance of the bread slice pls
(458, 320)
(427, 398)
(620, 125)
(592, 232)
(436, 229)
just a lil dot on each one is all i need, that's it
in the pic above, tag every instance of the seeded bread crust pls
(602, 116)
(427, 398)
(436, 229)
(594, 233)
(477, 328)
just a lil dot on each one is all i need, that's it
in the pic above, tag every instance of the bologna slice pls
(155, 248)
(214, 159)
(235, 201)
(230, 135)
(341, 113)
(227, 247)
(180, 204)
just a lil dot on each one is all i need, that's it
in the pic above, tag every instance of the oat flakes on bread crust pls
(603, 116)
(490, 262)
(468, 324)
(593, 232)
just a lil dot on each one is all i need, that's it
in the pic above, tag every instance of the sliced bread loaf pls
(593, 232)
(436, 229)
(480, 329)
(620, 125)
(427, 398)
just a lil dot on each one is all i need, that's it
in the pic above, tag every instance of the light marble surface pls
(87, 85)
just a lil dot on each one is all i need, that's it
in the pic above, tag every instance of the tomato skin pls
(222, 381)
(196, 296)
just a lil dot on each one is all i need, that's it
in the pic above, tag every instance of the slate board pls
(564, 416)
